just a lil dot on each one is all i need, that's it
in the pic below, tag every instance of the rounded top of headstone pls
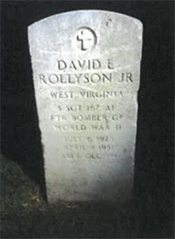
(90, 12)
(83, 31)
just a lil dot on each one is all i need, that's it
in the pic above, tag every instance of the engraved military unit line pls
(86, 70)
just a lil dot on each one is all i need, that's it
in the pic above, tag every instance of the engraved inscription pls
(86, 39)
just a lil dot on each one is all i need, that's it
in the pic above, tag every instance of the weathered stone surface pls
(86, 67)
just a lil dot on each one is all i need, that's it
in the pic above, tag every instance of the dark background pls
(20, 135)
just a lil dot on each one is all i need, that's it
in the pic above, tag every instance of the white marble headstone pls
(86, 70)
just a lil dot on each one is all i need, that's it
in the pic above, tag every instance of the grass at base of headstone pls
(24, 214)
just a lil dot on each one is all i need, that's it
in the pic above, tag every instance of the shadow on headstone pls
(21, 138)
